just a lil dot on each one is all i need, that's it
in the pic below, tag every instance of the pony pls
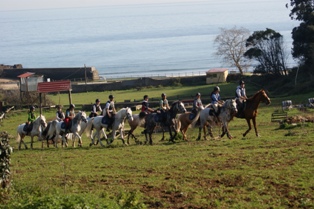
(136, 122)
(250, 111)
(38, 126)
(226, 113)
(58, 128)
(50, 133)
(165, 119)
(118, 124)
(184, 121)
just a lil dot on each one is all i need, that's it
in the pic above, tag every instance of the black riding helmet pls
(198, 94)
(97, 100)
(216, 88)
(31, 108)
(163, 94)
(241, 82)
(72, 106)
(111, 96)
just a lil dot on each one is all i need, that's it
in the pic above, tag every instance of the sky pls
(50, 4)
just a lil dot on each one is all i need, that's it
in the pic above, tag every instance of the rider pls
(31, 117)
(59, 114)
(197, 103)
(241, 96)
(69, 115)
(216, 100)
(145, 106)
(96, 109)
(109, 111)
(164, 105)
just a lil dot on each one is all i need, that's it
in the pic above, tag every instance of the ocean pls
(135, 40)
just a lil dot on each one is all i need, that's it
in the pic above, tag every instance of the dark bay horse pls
(250, 111)
(166, 120)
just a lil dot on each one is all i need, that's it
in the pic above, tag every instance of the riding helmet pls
(241, 82)
(145, 96)
(97, 100)
(163, 94)
(216, 88)
(31, 108)
(111, 96)
(72, 106)
(198, 94)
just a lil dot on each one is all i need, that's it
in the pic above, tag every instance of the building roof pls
(217, 70)
(25, 75)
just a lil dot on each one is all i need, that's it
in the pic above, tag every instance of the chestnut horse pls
(250, 111)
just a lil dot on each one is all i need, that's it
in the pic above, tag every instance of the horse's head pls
(40, 121)
(129, 114)
(178, 107)
(81, 115)
(231, 104)
(264, 97)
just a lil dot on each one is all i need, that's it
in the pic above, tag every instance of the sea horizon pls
(135, 40)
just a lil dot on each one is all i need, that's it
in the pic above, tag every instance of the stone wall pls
(138, 83)
(75, 73)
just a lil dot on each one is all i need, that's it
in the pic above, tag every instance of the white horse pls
(118, 124)
(226, 114)
(57, 128)
(38, 126)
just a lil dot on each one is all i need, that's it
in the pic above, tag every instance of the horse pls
(226, 113)
(136, 122)
(250, 110)
(58, 128)
(38, 126)
(184, 121)
(50, 133)
(165, 119)
(118, 124)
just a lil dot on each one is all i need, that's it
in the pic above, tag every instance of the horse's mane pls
(255, 95)
(174, 103)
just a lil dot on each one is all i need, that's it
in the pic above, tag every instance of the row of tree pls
(239, 48)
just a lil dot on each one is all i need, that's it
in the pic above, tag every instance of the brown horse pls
(250, 111)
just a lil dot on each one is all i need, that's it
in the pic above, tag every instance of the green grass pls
(271, 171)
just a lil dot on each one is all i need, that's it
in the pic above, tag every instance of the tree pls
(303, 35)
(231, 46)
(266, 47)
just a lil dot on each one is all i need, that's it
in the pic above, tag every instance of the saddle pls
(160, 117)
(212, 111)
(105, 120)
(28, 127)
(241, 107)
(64, 125)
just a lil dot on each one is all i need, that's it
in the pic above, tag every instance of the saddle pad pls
(157, 118)
(63, 126)
(104, 120)
(25, 127)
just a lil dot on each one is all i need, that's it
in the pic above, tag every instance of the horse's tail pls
(177, 124)
(196, 118)
(89, 127)
(18, 137)
(45, 131)
(51, 129)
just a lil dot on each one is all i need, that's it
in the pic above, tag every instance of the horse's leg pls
(32, 142)
(250, 127)
(183, 131)
(150, 138)
(204, 130)
(254, 124)
(199, 133)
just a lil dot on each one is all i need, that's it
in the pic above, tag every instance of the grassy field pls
(274, 170)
